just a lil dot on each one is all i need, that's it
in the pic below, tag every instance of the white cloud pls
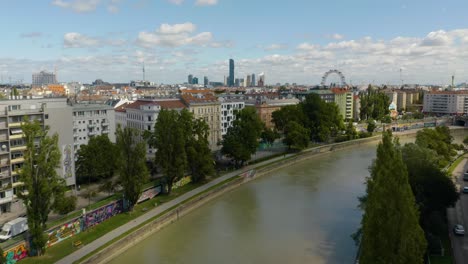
(32, 35)
(437, 38)
(176, 35)
(335, 36)
(80, 6)
(274, 47)
(176, 2)
(77, 40)
(206, 2)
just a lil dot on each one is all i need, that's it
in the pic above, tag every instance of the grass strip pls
(455, 164)
(62, 249)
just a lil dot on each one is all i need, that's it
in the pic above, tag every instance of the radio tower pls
(144, 72)
(401, 79)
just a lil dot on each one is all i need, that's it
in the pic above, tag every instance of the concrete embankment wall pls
(173, 215)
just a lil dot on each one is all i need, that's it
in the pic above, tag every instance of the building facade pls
(203, 104)
(228, 112)
(446, 102)
(43, 78)
(51, 112)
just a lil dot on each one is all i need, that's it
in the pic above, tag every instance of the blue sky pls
(290, 41)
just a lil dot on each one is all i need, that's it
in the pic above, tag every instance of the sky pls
(295, 41)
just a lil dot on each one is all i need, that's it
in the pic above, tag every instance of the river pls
(305, 213)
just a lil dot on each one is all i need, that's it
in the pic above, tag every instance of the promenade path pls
(86, 249)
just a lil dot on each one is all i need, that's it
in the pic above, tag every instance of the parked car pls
(14, 228)
(465, 176)
(465, 189)
(459, 230)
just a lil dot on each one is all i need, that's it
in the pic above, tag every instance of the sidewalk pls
(85, 250)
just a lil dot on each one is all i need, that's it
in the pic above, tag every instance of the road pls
(459, 215)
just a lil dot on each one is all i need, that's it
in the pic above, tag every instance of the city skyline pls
(369, 42)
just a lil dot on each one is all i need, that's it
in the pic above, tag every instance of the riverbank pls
(111, 244)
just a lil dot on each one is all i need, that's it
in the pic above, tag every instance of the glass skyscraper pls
(231, 73)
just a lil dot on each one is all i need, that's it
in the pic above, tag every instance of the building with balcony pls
(92, 120)
(51, 112)
(228, 112)
(446, 102)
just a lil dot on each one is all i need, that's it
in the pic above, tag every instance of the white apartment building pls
(92, 120)
(228, 110)
(446, 102)
(143, 113)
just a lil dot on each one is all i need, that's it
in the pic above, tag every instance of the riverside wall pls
(125, 243)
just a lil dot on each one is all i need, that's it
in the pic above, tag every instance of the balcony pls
(6, 200)
(4, 162)
(17, 184)
(4, 175)
(91, 125)
(17, 136)
(93, 133)
(105, 123)
(105, 131)
(3, 125)
(14, 124)
(3, 138)
(18, 148)
(17, 160)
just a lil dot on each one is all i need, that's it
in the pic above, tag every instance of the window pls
(46, 116)
(149, 128)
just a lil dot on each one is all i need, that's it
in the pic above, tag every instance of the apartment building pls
(143, 113)
(345, 101)
(92, 120)
(266, 106)
(228, 112)
(446, 102)
(51, 112)
(203, 104)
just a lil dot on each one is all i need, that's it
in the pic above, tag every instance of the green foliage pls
(433, 189)
(439, 140)
(66, 205)
(96, 160)
(109, 186)
(43, 188)
(288, 113)
(133, 173)
(374, 104)
(351, 132)
(390, 228)
(386, 119)
(269, 135)
(362, 134)
(323, 119)
(297, 136)
(199, 157)
(170, 139)
(371, 126)
(465, 140)
(241, 140)
(2, 257)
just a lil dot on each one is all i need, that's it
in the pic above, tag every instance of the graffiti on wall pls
(149, 194)
(16, 253)
(63, 232)
(101, 214)
(248, 174)
(181, 182)
(67, 161)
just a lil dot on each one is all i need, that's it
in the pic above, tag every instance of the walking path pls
(85, 250)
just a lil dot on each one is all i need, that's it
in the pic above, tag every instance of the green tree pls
(2, 257)
(297, 136)
(390, 228)
(288, 113)
(439, 140)
(66, 205)
(323, 119)
(371, 126)
(131, 165)
(465, 141)
(433, 189)
(269, 135)
(351, 132)
(374, 104)
(241, 140)
(169, 139)
(199, 157)
(96, 160)
(43, 187)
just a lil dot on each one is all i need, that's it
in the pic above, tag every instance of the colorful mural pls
(63, 232)
(16, 253)
(181, 182)
(67, 161)
(149, 194)
(101, 214)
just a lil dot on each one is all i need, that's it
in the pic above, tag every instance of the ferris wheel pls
(335, 71)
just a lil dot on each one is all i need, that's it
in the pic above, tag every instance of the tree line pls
(406, 197)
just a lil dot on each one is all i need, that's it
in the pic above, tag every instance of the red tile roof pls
(205, 98)
(165, 104)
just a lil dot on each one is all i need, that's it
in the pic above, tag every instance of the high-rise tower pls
(231, 73)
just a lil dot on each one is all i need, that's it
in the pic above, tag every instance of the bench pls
(77, 243)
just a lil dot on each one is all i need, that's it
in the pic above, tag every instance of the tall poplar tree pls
(43, 187)
(390, 229)
(131, 166)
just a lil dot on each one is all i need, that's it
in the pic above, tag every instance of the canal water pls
(304, 213)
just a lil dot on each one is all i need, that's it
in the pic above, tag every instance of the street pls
(459, 215)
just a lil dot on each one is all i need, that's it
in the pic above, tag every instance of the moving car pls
(459, 230)
(465, 189)
(465, 176)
